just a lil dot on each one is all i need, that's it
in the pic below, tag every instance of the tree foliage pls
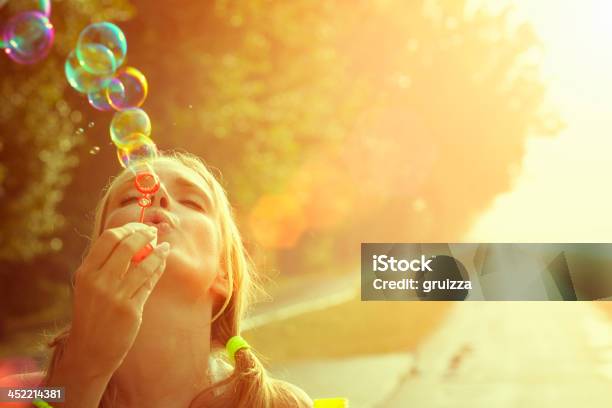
(392, 120)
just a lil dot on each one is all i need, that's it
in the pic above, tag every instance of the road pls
(512, 354)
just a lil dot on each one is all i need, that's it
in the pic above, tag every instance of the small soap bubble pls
(91, 124)
(28, 37)
(101, 48)
(128, 122)
(99, 100)
(138, 147)
(128, 89)
(80, 131)
(94, 150)
(80, 79)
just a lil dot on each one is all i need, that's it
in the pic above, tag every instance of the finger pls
(141, 272)
(141, 294)
(104, 245)
(120, 259)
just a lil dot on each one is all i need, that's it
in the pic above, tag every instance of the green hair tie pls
(234, 344)
(41, 403)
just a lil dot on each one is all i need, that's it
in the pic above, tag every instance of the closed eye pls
(191, 203)
(127, 200)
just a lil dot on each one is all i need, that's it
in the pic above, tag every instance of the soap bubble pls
(96, 59)
(138, 147)
(80, 79)
(99, 100)
(94, 150)
(128, 122)
(101, 48)
(128, 89)
(28, 37)
(45, 7)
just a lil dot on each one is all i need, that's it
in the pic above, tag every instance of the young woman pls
(153, 333)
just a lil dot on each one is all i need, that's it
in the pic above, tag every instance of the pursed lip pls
(159, 220)
(161, 226)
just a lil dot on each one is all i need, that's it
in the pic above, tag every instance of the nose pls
(163, 202)
(161, 198)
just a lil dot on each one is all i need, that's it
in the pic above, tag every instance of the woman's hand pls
(109, 295)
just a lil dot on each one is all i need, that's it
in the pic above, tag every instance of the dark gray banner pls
(495, 271)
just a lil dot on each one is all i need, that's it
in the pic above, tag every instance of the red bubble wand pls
(147, 184)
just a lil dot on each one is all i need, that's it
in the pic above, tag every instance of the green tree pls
(409, 118)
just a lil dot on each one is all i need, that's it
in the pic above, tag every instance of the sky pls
(561, 194)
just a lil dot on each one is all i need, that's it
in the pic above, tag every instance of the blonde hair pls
(249, 385)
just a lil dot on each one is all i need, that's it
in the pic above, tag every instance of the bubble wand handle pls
(142, 211)
(146, 183)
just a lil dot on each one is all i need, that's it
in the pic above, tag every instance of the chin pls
(183, 278)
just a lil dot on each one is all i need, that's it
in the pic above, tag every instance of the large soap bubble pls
(101, 48)
(137, 148)
(128, 89)
(45, 7)
(80, 79)
(28, 37)
(128, 122)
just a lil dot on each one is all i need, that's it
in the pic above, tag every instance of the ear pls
(220, 285)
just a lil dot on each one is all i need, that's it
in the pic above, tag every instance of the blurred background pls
(331, 123)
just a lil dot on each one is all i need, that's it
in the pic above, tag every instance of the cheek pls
(193, 262)
(199, 242)
(203, 238)
(121, 216)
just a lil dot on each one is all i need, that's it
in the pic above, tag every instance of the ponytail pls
(250, 386)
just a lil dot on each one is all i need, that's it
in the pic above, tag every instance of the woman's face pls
(182, 212)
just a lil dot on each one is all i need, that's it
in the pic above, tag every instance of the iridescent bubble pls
(128, 122)
(96, 59)
(99, 100)
(45, 7)
(138, 147)
(28, 37)
(80, 79)
(128, 89)
(101, 48)
(94, 150)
